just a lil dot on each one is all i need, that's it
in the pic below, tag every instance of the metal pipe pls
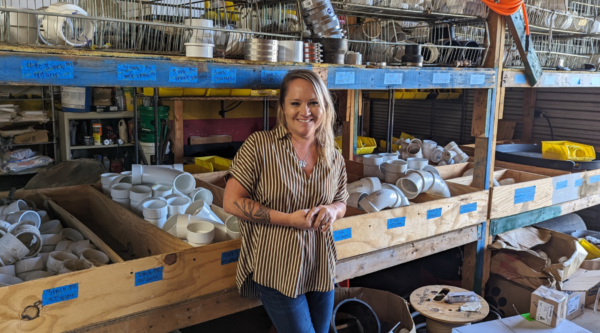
(54, 139)
(156, 124)
(135, 126)
(390, 129)
(266, 114)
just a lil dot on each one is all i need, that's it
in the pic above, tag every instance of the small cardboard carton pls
(586, 282)
(32, 137)
(201, 140)
(519, 324)
(548, 306)
(575, 304)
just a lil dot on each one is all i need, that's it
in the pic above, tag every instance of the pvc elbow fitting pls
(439, 187)
(366, 185)
(379, 200)
(181, 181)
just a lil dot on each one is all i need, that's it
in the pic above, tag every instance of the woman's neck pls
(303, 142)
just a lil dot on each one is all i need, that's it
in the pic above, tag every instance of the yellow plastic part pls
(265, 93)
(567, 150)
(398, 94)
(194, 92)
(241, 92)
(164, 92)
(593, 250)
(421, 94)
(220, 11)
(193, 168)
(216, 162)
(218, 92)
(409, 94)
(383, 145)
(364, 145)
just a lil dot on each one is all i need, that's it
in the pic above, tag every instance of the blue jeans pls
(308, 313)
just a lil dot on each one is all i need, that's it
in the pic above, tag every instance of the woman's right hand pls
(298, 220)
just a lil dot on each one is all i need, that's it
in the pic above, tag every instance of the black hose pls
(543, 115)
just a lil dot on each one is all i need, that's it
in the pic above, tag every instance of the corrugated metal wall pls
(513, 109)
(415, 117)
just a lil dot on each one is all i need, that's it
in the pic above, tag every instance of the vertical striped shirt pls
(287, 259)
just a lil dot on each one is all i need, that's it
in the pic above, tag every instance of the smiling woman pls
(288, 186)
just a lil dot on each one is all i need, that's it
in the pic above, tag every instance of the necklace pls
(302, 162)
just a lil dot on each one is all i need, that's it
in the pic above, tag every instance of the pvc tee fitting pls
(379, 200)
(181, 181)
(366, 185)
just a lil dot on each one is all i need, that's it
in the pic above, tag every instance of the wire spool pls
(313, 53)
(290, 51)
(261, 50)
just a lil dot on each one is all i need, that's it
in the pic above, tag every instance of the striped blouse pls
(287, 259)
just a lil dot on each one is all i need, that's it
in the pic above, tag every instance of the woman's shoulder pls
(260, 138)
(338, 159)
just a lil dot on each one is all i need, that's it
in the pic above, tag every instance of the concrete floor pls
(589, 320)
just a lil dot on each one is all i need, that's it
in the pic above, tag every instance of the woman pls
(288, 186)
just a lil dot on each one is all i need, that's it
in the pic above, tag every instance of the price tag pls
(344, 78)
(520, 79)
(148, 276)
(477, 79)
(441, 78)
(396, 222)
(220, 75)
(393, 78)
(136, 72)
(272, 77)
(433, 213)
(468, 208)
(230, 256)
(307, 3)
(525, 194)
(60, 294)
(183, 74)
(340, 235)
(562, 184)
(33, 69)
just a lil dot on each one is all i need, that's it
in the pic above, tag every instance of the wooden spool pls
(423, 301)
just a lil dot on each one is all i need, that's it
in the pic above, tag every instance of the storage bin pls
(218, 92)
(164, 92)
(218, 163)
(197, 92)
(567, 150)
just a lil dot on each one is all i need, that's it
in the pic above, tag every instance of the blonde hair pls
(324, 133)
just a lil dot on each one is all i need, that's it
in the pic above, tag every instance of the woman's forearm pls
(341, 209)
(251, 210)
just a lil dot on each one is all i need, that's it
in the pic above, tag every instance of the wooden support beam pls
(347, 111)
(529, 100)
(533, 68)
(177, 132)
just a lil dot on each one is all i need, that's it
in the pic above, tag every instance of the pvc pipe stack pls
(459, 156)
(182, 182)
(120, 194)
(261, 50)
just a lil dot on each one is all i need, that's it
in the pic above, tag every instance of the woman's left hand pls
(322, 217)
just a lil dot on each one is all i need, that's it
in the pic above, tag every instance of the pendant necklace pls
(302, 162)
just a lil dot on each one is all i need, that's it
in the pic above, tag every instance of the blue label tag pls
(148, 276)
(520, 79)
(550, 79)
(396, 222)
(272, 77)
(595, 80)
(136, 72)
(578, 182)
(393, 78)
(441, 78)
(183, 74)
(344, 78)
(220, 75)
(525, 194)
(60, 294)
(33, 69)
(477, 79)
(230, 256)
(340, 235)
(575, 80)
(562, 184)
(433, 213)
(594, 179)
(468, 208)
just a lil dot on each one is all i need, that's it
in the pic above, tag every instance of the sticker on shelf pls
(148, 276)
(344, 78)
(41, 70)
(396, 222)
(525, 194)
(578, 182)
(550, 79)
(468, 208)
(230, 256)
(60, 294)
(340, 235)
(272, 77)
(575, 80)
(520, 79)
(221, 75)
(477, 79)
(441, 78)
(594, 179)
(393, 78)
(562, 184)
(434, 213)
(183, 74)
(595, 81)
(136, 72)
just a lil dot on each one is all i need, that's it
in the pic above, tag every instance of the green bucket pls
(147, 121)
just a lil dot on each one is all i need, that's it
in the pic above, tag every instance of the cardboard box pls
(591, 265)
(587, 282)
(101, 96)
(575, 304)
(389, 308)
(32, 137)
(200, 140)
(548, 306)
(518, 324)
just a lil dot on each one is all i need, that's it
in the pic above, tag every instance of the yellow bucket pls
(568, 150)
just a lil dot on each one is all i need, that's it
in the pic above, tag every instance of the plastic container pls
(398, 94)
(593, 250)
(567, 150)
(241, 92)
(364, 145)
(164, 92)
(218, 92)
(218, 163)
(194, 92)
(76, 99)
(148, 150)
(128, 93)
(147, 121)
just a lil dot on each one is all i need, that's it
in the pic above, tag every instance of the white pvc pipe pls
(402, 199)
(200, 232)
(411, 185)
(373, 171)
(372, 159)
(436, 155)
(181, 181)
(355, 198)
(389, 156)
(415, 163)
(379, 200)
(439, 187)
(367, 185)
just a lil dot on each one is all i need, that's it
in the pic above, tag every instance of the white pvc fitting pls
(43, 216)
(30, 237)
(200, 232)
(201, 209)
(379, 200)
(181, 181)
(56, 258)
(366, 185)
(436, 155)
(427, 179)
(38, 275)
(442, 162)
(448, 155)
(44, 256)
(431, 169)
(133, 205)
(176, 195)
(428, 147)
(24, 215)
(120, 180)
(415, 152)
(125, 203)
(415, 163)
(139, 193)
(4, 226)
(439, 187)
(156, 222)
(155, 209)
(63, 246)
(11, 249)
(232, 225)
(15, 206)
(355, 197)
(201, 193)
(7, 280)
(72, 235)
(396, 166)
(402, 199)
(126, 173)
(415, 146)
(461, 158)
(178, 205)
(411, 185)
(8, 270)
(20, 223)
(389, 156)
(392, 177)
(372, 159)
(80, 246)
(48, 248)
(507, 181)
(161, 191)
(452, 146)
(93, 257)
(177, 223)
(120, 191)
(373, 171)
(51, 227)
(404, 148)
(73, 265)
(106, 179)
(51, 239)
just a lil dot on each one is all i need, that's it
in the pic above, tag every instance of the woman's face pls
(303, 112)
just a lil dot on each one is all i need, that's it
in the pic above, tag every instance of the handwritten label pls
(594, 179)
(477, 79)
(136, 72)
(441, 78)
(148, 276)
(32, 69)
(520, 79)
(230, 256)
(344, 78)
(433, 213)
(550, 79)
(578, 182)
(393, 78)
(562, 184)
(468, 208)
(183, 74)
(396, 222)
(575, 80)
(272, 77)
(220, 75)
(596, 81)
(60, 294)
(525, 194)
(307, 3)
(340, 235)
